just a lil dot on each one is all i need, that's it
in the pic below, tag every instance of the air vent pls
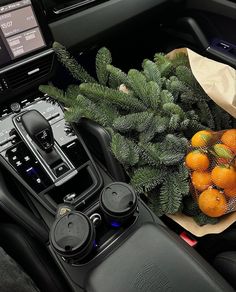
(29, 72)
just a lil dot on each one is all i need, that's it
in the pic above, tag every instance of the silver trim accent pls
(25, 61)
(33, 71)
(72, 7)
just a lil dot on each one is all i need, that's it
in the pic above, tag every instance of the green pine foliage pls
(150, 115)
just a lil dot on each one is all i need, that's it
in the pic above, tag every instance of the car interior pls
(69, 219)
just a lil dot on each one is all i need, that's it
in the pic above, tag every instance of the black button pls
(60, 169)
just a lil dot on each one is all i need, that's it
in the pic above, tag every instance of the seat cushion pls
(225, 263)
(12, 276)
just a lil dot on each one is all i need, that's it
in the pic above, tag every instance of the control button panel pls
(61, 135)
(24, 163)
(60, 169)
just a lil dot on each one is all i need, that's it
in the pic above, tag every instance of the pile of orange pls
(212, 166)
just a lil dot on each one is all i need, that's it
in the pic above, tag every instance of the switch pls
(60, 169)
(15, 107)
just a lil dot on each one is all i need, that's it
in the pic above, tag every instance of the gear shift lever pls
(39, 129)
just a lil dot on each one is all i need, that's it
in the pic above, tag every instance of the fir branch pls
(103, 59)
(75, 69)
(118, 76)
(205, 114)
(73, 115)
(170, 195)
(164, 64)
(202, 219)
(185, 75)
(153, 98)
(58, 94)
(173, 109)
(137, 121)
(152, 72)
(139, 85)
(125, 150)
(147, 178)
(115, 97)
(166, 97)
(158, 125)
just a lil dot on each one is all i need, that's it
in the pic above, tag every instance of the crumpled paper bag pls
(218, 80)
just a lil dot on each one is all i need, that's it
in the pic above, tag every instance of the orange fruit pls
(229, 139)
(223, 151)
(230, 192)
(212, 203)
(201, 138)
(197, 160)
(224, 176)
(201, 180)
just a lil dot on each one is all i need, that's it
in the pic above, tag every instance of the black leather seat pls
(225, 263)
(33, 258)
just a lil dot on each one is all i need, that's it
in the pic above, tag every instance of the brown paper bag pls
(217, 79)
(219, 82)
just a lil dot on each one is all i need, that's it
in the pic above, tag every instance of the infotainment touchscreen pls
(20, 33)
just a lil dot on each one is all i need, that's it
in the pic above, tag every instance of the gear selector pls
(39, 129)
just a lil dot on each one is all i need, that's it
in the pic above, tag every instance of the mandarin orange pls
(197, 160)
(224, 176)
(201, 180)
(201, 138)
(212, 203)
(229, 139)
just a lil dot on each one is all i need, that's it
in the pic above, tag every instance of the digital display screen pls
(20, 33)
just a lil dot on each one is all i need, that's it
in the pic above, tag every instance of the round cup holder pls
(118, 202)
(72, 236)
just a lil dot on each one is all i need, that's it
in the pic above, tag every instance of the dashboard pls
(20, 31)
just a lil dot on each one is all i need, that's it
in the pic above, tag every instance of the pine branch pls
(103, 59)
(202, 219)
(173, 109)
(102, 113)
(158, 125)
(152, 72)
(138, 122)
(205, 114)
(58, 94)
(166, 97)
(125, 151)
(153, 98)
(170, 195)
(115, 97)
(76, 70)
(118, 75)
(185, 75)
(147, 178)
(139, 85)
(164, 64)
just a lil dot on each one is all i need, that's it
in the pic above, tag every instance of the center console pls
(98, 231)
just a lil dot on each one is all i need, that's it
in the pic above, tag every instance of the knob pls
(39, 129)
(15, 107)
(118, 202)
(72, 236)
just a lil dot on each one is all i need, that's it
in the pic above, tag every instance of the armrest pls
(155, 259)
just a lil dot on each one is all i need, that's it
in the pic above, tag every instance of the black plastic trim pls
(97, 19)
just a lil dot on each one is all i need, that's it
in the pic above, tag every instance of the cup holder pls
(118, 202)
(72, 236)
